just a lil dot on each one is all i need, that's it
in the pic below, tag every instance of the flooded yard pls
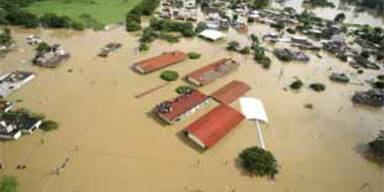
(114, 143)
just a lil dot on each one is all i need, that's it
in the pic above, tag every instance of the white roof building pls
(212, 35)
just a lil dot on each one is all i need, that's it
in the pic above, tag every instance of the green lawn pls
(105, 11)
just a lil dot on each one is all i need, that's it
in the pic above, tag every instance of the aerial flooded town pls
(191, 95)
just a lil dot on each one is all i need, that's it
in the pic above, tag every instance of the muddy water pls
(352, 16)
(114, 143)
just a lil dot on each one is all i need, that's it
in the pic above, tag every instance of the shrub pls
(43, 47)
(378, 84)
(233, 46)
(194, 55)
(6, 38)
(259, 162)
(169, 75)
(8, 184)
(184, 89)
(143, 47)
(49, 125)
(318, 87)
(297, 84)
(201, 26)
(245, 51)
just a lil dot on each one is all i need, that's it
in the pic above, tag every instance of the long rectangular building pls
(230, 92)
(182, 106)
(212, 72)
(211, 128)
(158, 62)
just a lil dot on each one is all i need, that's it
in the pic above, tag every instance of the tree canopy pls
(259, 162)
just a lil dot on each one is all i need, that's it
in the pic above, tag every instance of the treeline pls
(145, 8)
(12, 12)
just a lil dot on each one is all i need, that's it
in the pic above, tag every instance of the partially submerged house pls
(109, 48)
(211, 128)
(158, 62)
(182, 106)
(373, 98)
(212, 72)
(230, 92)
(52, 57)
(10, 82)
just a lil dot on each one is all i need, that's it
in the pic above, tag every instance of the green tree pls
(6, 38)
(9, 184)
(169, 75)
(259, 162)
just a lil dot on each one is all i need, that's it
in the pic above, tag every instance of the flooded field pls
(114, 144)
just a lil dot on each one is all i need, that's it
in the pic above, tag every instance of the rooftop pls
(230, 92)
(213, 71)
(170, 110)
(164, 60)
(209, 129)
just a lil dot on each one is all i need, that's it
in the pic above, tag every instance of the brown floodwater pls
(114, 143)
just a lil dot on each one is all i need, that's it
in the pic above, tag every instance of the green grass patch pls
(105, 11)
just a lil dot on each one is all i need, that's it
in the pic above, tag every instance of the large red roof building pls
(212, 72)
(230, 92)
(181, 106)
(159, 62)
(211, 128)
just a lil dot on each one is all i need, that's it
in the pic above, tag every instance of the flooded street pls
(114, 144)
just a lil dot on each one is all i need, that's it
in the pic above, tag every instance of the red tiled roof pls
(231, 92)
(215, 125)
(213, 71)
(182, 104)
(161, 61)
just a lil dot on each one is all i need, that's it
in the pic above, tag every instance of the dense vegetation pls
(376, 5)
(8, 184)
(259, 162)
(166, 30)
(258, 4)
(145, 8)
(319, 3)
(377, 147)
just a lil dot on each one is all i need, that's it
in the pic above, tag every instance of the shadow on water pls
(182, 135)
(155, 118)
(363, 150)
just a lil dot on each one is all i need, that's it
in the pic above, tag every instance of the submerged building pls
(230, 92)
(159, 62)
(182, 106)
(212, 72)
